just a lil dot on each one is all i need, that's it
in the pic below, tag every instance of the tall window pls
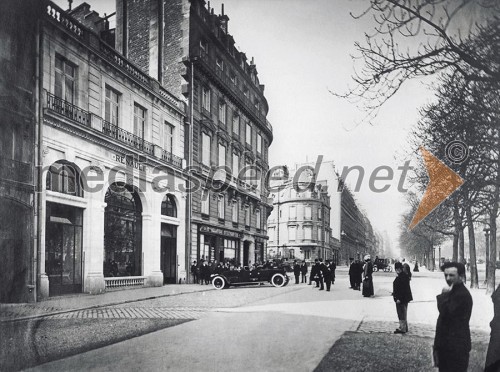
(291, 252)
(271, 233)
(308, 213)
(64, 178)
(248, 134)
(205, 99)
(235, 211)
(222, 112)
(320, 213)
(236, 124)
(111, 106)
(64, 80)
(222, 155)
(307, 232)
(236, 164)
(139, 121)
(320, 234)
(220, 63)
(259, 143)
(293, 212)
(205, 202)
(257, 219)
(247, 216)
(292, 233)
(205, 151)
(168, 207)
(168, 137)
(220, 207)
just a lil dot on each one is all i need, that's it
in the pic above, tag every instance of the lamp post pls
(487, 237)
(343, 237)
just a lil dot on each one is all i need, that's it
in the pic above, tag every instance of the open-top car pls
(276, 276)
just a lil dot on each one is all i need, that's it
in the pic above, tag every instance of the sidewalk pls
(70, 303)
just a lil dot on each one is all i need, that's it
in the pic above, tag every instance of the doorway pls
(63, 249)
(246, 249)
(168, 262)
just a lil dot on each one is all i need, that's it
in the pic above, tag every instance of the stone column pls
(151, 250)
(43, 279)
(94, 247)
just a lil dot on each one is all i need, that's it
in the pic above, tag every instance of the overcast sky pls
(302, 49)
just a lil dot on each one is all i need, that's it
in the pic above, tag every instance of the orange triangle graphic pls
(442, 183)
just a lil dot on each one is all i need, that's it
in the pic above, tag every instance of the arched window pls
(168, 207)
(64, 178)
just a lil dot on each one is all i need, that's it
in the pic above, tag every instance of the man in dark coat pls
(493, 356)
(194, 272)
(452, 342)
(316, 273)
(327, 274)
(333, 267)
(296, 271)
(352, 274)
(320, 273)
(401, 292)
(303, 271)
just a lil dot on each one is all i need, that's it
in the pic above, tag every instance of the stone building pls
(110, 210)
(17, 150)
(189, 49)
(299, 226)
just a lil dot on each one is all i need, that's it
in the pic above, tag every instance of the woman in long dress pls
(368, 277)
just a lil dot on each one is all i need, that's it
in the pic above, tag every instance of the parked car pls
(383, 264)
(276, 276)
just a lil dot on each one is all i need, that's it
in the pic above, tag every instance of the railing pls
(124, 281)
(126, 137)
(171, 158)
(68, 110)
(249, 106)
(15, 170)
(119, 61)
(59, 15)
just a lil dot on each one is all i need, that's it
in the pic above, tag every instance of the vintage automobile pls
(382, 264)
(276, 276)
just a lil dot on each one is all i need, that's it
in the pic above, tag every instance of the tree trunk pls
(474, 281)
(461, 246)
(490, 279)
(458, 224)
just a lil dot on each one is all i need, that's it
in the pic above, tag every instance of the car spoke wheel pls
(278, 280)
(218, 282)
(375, 268)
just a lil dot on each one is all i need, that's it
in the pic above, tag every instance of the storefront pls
(221, 245)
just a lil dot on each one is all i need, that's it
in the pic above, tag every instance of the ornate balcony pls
(85, 119)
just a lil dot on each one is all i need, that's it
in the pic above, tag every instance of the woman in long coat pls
(368, 278)
(493, 356)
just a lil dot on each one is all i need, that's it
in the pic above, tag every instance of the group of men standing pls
(322, 273)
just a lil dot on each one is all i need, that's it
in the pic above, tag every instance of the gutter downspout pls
(189, 207)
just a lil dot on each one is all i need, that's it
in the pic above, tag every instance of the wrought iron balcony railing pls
(126, 137)
(171, 158)
(68, 110)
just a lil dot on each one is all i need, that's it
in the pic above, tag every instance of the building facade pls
(17, 151)
(299, 226)
(192, 53)
(108, 209)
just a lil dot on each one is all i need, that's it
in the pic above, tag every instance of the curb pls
(40, 316)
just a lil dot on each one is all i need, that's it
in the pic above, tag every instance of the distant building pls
(299, 226)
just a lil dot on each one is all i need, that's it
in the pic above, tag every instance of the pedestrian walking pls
(401, 292)
(368, 277)
(315, 272)
(352, 274)
(333, 267)
(358, 275)
(493, 355)
(296, 271)
(452, 342)
(194, 272)
(321, 271)
(303, 271)
(327, 274)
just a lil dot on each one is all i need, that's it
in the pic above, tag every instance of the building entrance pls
(168, 262)
(63, 249)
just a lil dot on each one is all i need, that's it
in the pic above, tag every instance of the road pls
(261, 328)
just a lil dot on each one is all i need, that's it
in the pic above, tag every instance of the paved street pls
(294, 328)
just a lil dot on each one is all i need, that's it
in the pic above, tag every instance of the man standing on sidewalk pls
(296, 271)
(452, 343)
(401, 292)
(303, 271)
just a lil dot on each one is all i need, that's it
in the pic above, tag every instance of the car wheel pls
(278, 280)
(375, 268)
(219, 282)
